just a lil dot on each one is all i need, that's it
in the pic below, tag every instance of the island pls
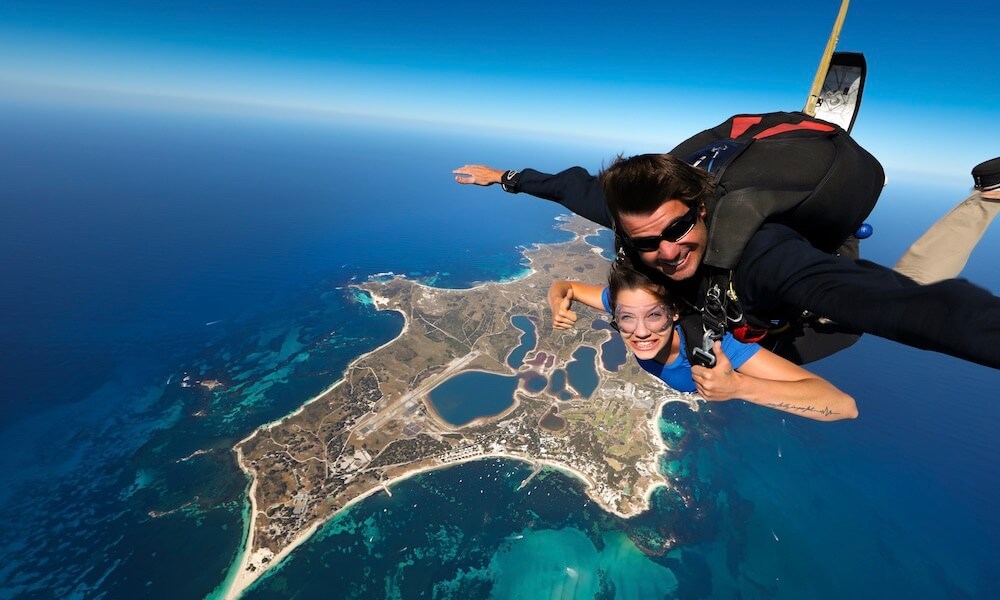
(380, 424)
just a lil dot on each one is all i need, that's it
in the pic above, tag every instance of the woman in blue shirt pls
(644, 315)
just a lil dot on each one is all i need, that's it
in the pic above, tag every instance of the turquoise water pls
(567, 564)
(490, 540)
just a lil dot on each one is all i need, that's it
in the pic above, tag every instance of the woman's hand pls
(720, 382)
(560, 300)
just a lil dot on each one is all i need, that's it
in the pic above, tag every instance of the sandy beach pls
(244, 578)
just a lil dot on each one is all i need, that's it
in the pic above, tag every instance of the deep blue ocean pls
(142, 247)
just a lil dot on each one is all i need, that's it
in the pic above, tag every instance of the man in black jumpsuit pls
(780, 274)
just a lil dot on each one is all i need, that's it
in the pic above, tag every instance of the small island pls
(380, 424)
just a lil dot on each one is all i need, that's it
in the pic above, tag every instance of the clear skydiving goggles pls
(656, 318)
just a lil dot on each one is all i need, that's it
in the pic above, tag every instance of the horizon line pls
(34, 91)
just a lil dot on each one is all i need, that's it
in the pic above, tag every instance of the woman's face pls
(645, 323)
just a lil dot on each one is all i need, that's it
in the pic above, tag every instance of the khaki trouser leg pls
(943, 250)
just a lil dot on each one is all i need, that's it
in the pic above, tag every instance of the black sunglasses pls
(671, 233)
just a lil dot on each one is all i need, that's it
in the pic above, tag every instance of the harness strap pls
(708, 324)
(694, 340)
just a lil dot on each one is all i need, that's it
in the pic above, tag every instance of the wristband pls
(508, 181)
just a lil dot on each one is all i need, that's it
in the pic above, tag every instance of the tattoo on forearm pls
(825, 411)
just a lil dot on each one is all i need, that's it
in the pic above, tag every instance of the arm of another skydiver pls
(768, 380)
(574, 188)
(561, 296)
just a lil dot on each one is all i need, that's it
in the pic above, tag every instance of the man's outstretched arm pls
(780, 269)
(574, 188)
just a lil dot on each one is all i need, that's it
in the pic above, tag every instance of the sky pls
(636, 79)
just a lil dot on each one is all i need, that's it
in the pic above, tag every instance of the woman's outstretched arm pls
(768, 380)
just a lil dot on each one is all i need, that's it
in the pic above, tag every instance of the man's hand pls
(560, 300)
(720, 382)
(478, 175)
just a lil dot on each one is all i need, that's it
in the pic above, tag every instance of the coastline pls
(529, 269)
(244, 579)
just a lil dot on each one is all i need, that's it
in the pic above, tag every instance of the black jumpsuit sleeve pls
(781, 271)
(574, 188)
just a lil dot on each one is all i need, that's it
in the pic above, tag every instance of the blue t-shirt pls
(677, 374)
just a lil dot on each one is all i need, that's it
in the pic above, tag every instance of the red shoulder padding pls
(785, 127)
(741, 124)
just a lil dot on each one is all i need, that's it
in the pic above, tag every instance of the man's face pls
(677, 260)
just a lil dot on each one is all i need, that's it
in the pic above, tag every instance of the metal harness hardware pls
(720, 310)
(713, 317)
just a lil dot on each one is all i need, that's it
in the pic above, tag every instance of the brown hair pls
(623, 276)
(640, 184)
